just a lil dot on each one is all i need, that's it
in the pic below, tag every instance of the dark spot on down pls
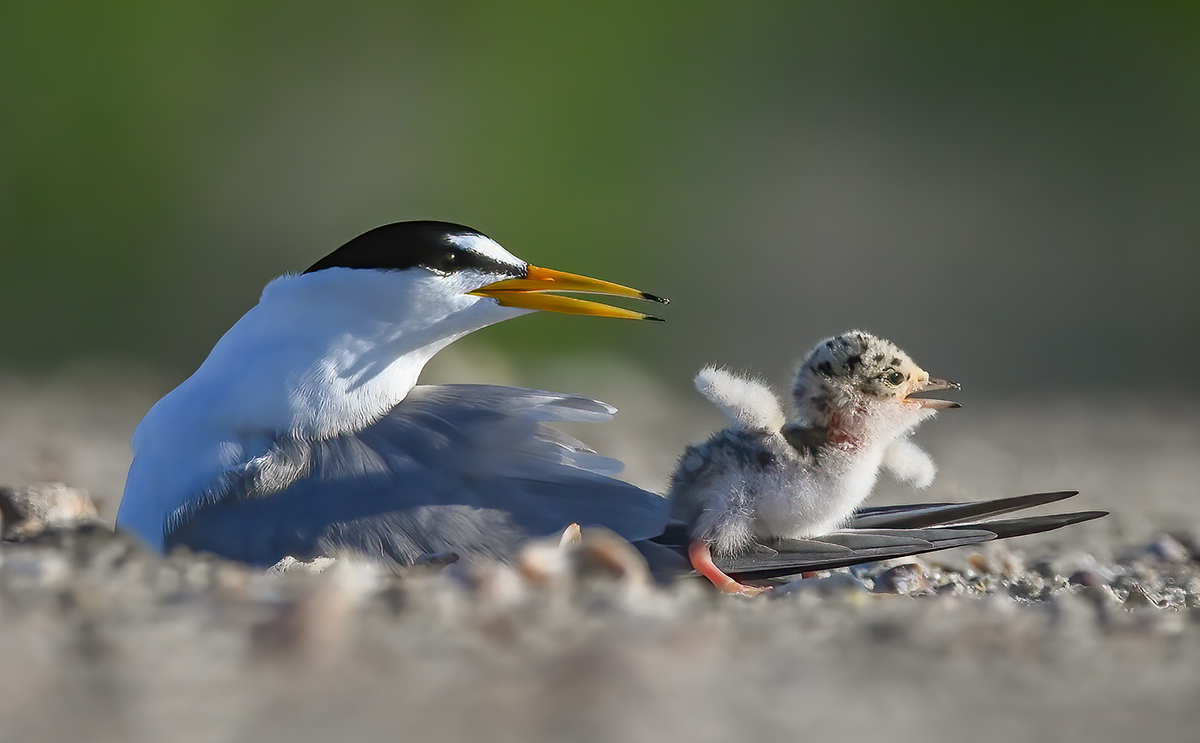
(878, 358)
(852, 362)
(826, 368)
(896, 361)
(747, 450)
(804, 440)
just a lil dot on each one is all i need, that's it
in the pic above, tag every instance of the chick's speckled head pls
(856, 373)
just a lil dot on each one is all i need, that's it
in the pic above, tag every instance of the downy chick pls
(768, 477)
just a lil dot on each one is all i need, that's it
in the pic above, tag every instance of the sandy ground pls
(1090, 633)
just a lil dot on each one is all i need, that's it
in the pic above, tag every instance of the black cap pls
(418, 244)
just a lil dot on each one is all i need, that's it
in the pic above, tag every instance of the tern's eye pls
(893, 377)
(448, 261)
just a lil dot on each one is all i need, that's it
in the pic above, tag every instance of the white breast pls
(802, 503)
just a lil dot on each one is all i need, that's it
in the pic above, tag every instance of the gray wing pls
(462, 469)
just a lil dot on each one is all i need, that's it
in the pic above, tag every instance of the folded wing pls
(461, 469)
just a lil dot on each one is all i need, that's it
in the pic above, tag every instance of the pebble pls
(835, 584)
(998, 560)
(30, 510)
(289, 564)
(582, 554)
(1138, 597)
(1167, 549)
(1088, 578)
(906, 579)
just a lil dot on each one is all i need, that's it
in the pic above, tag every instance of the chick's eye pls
(893, 378)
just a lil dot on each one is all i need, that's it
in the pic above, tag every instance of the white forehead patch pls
(486, 247)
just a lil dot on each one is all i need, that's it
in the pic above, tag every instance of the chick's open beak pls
(530, 292)
(933, 385)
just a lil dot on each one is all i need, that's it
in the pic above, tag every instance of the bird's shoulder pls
(738, 449)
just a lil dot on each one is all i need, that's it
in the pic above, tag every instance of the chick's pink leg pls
(701, 559)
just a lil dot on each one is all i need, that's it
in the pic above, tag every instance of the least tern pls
(779, 493)
(304, 433)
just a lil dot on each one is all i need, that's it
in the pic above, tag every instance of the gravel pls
(1090, 633)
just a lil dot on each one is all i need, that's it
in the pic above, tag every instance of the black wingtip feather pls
(1006, 528)
(933, 514)
(762, 566)
(766, 564)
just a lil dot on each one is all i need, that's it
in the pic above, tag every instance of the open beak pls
(932, 385)
(530, 293)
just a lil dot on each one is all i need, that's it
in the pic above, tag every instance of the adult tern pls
(304, 433)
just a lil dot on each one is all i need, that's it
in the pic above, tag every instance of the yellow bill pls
(531, 292)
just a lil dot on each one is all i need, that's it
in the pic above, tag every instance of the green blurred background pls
(1010, 191)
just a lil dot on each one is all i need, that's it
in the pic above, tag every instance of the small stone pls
(902, 579)
(289, 564)
(1088, 578)
(997, 561)
(578, 554)
(1138, 597)
(1030, 587)
(1167, 549)
(28, 511)
(602, 552)
(1070, 563)
(950, 588)
(953, 561)
(35, 569)
(835, 584)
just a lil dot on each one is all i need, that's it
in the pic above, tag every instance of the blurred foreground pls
(1089, 633)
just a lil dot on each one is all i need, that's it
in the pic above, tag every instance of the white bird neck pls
(836, 416)
(333, 350)
(320, 354)
(849, 443)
